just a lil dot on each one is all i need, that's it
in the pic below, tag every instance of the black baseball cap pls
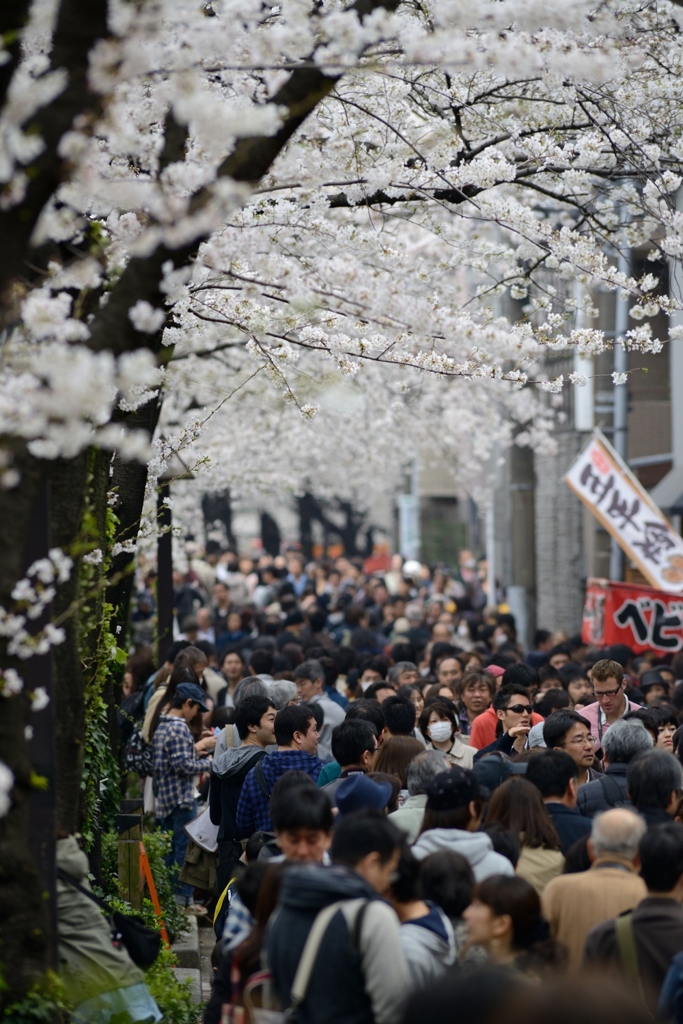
(652, 678)
(452, 789)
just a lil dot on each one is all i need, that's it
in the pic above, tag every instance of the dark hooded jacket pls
(595, 797)
(228, 773)
(360, 975)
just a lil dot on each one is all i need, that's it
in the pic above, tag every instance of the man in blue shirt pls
(297, 743)
(296, 574)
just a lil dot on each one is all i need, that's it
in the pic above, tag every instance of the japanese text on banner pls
(616, 498)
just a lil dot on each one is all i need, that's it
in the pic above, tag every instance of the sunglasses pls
(519, 709)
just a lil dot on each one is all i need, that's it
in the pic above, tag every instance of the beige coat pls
(574, 904)
(539, 866)
(460, 753)
(158, 695)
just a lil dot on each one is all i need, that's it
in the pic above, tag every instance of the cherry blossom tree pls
(247, 233)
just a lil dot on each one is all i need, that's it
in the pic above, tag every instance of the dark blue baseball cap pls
(357, 792)
(495, 769)
(190, 691)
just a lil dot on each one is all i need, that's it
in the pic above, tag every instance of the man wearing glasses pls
(611, 702)
(570, 731)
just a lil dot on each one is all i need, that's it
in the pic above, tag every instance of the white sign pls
(409, 525)
(603, 482)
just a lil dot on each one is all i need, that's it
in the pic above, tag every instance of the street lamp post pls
(165, 597)
(620, 414)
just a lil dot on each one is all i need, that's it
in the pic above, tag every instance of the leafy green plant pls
(44, 1002)
(157, 845)
(101, 657)
(173, 996)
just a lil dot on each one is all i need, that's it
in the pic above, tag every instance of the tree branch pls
(12, 20)
(78, 27)
(251, 158)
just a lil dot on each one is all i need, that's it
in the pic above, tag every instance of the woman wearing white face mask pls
(438, 726)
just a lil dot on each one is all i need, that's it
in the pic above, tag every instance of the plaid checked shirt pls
(175, 764)
(253, 809)
(238, 924)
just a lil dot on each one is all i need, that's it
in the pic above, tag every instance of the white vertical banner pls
(605, 484)
(409, 525)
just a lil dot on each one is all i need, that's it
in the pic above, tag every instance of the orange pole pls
(146, 871)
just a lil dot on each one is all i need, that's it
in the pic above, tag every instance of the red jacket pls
(484, 727)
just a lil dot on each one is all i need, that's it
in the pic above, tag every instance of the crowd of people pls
(376, 795)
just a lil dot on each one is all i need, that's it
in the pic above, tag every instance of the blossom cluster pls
(400, 269)
(32, 595)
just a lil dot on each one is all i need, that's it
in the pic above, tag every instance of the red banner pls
(641, 617)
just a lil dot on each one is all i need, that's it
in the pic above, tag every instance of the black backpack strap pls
(357, 926)
(64, 876)
(628, 955)
(612, 792)
(261, 780)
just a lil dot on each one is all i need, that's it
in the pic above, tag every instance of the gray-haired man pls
(420, 773)
(310, 682)
(573, 904)
(621, 743)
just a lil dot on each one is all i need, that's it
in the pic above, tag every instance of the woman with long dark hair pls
(189, 657)
(517, 806)
(395, 755)
(505, 918)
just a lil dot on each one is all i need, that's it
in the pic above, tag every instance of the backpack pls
(142, 944)
(138, 756)
(264, 1010)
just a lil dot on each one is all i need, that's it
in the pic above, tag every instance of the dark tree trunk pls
(348, 531)
(38, 672)
(128, 481)
(24, 924)
(165, 594)
(309, 510)
(78, 26)
(68, 507)
(217, 508)
(312, 510)
(271, 538)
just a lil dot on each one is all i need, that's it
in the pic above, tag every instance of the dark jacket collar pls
(654, 815)
(555, 807)
(662, 905)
